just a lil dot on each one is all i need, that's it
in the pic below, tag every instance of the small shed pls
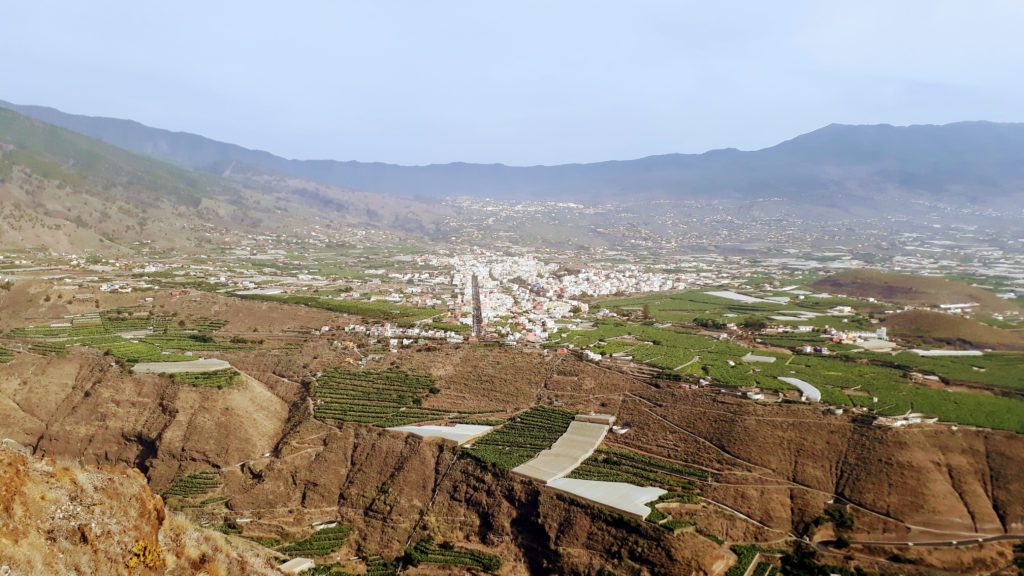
(606, 419)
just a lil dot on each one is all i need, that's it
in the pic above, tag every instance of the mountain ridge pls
(972, 161)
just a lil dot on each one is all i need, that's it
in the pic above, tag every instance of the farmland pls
(195, 484)
(843, 381)
(382, 398)
(5, 355)
(615, 465)
(214, 379)
(376, 309)
(320, 543)
(426, 552)
(129, 336)
(522, 438)
(688, 306)
(1001, 370)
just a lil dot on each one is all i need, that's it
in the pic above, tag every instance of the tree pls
(755, 323)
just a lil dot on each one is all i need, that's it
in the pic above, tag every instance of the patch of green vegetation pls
(999, 369)
(382, 398)
(320, 543)
(426, 552)
(479, 421)
(5, 355)
(689, 306)
(522, 438)
(195, 484)
(745, 555)
(449, 326)
(843, 380)
(378, 566)
(134, 352)
(213, 379)
(615, 465)
(378, 309)
(48, 348)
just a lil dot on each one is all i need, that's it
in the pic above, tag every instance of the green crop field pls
(213, 379)
(615, 465)
(320, 543)
(1000, 369)
(687, 306)
(195, 484)
(377, 309)
(842, 380)
(522, 438)
(5, 355)
(745, 556)
(426, 552)
(382, 398)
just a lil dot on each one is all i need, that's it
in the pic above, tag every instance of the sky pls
(518, 82)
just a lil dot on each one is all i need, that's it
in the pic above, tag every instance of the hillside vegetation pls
(936, 328)
(909, 289)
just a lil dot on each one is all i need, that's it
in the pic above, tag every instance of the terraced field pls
(842, 380)
(691, 305)
(426, 552)
(615, 465)
(195, 484)
(214, 379)
(378, 309)
(382, 398)
(127, 335)
(522, 438)
(320, 543)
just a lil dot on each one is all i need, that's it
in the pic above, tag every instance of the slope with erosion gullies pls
(938, 478)
(63, 191)
(58, 518)
(778, 464)
(80, 405)
(842, 165)
(910, 290)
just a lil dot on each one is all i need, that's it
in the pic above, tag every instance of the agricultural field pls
(382, 398)
(213, 379)
(5, 355)
(522, 438)
(998, 369)
(48, 348)
(615, 465)
(195, 484)
(320, 543)
(377, 309)
(843, 381)
(130, 336)
(426, 552)
(688, 306)
(745, 556)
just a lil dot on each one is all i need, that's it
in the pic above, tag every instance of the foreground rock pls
(58, 519)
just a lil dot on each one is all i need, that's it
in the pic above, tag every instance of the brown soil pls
(936, 328)
(909, 289)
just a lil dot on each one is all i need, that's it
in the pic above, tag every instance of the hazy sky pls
(519, 82)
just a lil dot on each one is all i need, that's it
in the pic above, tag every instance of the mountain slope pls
(65, 191)
(962, 162)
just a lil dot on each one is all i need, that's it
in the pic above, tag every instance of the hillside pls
(58, 518)
(931, 328)
(912, 290)
(63, 191)
(838, 165)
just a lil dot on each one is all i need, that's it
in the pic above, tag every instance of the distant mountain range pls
(964, 162)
